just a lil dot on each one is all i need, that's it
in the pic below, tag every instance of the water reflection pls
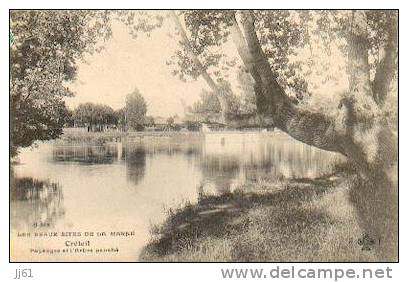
(130, 184)
(231, 159)
(171, 145)
(35, 202)
(224, 159)
(218, 173)
(135, 158)
(85, 153)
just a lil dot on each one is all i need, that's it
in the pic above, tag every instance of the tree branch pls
(242, 49)
(259, 58)
(192, 55)
(221, 95)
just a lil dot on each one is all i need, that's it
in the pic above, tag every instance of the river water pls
(128, 186)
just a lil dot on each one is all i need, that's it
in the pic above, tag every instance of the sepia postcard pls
(203, 135)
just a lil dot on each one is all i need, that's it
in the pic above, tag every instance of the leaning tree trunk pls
(359, 132)
(220, 92)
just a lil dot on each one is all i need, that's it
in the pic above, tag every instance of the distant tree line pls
(99, 117)
(132, 117)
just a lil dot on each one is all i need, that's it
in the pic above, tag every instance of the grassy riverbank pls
(293, 220)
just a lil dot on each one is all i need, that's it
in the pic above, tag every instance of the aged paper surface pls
(200, 135)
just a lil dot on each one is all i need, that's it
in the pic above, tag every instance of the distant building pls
(160, 121)
(166, 123)
(212, 126)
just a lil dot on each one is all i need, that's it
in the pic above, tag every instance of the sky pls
(127, 63)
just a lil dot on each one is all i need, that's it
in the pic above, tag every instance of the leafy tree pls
(69, 119)
(46, 46)
(170, 121)
(265, 42)
(236, 107)
(207, 108)
(120, 117)
(135, 110)
(354, 123)
(149, 121)
(94, 115)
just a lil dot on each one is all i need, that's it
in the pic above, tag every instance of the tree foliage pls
(300, 47)
(135, 110)
(43, 58)
(90, 114)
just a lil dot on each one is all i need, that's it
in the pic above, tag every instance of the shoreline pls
(299, 220)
